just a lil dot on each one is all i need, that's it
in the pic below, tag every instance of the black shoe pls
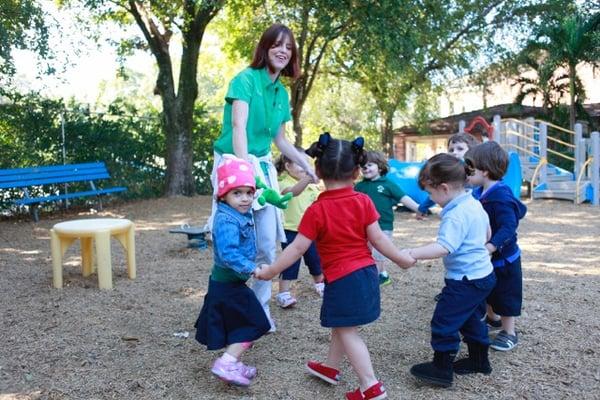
(493, 325)
(437, 297)
(437, 373)
(476, 362)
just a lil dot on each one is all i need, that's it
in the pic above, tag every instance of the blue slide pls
(514, 176)
(405, 174)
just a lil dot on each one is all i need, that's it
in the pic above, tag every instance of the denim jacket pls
(234, 240)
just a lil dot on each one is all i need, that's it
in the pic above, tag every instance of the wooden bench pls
(25, 178)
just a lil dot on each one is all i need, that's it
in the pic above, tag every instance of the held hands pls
(407, 259)
(263, 272)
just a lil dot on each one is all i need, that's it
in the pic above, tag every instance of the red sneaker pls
(375, 392)
(328, 374)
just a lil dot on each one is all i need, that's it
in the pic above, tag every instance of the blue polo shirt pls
(463, 232)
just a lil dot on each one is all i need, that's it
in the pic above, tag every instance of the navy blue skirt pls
(230, 314)
(352, 300)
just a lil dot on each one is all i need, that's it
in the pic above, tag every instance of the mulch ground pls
(83, 343)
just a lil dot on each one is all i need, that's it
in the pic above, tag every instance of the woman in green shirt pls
(256, 109)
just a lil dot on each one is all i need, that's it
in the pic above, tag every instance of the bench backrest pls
(23, 177)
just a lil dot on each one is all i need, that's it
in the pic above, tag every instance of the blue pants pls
(311, 259)
(461, 308)
(507, 296)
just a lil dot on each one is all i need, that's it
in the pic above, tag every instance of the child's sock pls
(228, 358)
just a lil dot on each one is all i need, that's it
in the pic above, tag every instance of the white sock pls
(228, 358)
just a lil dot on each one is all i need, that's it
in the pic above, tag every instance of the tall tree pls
(22, 26)
(568, 42)
(546, 84)
(414, 41)
(159, 22)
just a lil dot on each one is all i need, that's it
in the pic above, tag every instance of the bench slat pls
(54, 179)
(50, 168)
(70, 195)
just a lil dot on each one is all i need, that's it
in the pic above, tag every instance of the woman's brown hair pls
(267, 40)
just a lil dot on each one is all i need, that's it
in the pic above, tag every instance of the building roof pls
(449, 125)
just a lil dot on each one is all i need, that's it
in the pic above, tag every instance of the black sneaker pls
(493, 325)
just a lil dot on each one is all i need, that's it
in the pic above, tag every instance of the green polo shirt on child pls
(385, 195)
(268, 108)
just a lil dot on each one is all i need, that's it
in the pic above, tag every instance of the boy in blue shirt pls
(490, 162)
(469, 278)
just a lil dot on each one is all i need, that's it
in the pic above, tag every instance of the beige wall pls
(461, 97)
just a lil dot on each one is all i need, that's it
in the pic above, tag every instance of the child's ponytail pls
(337, 159)
(358, 148)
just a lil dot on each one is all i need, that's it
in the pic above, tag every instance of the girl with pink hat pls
(231, 316)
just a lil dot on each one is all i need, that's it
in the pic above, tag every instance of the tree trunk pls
(572, 110)
(178, 106)
(297, 100)
(179, 157)
(387, 135)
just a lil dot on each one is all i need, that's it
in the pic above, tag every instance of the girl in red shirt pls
(342, 222)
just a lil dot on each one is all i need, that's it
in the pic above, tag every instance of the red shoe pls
(328, 374)
(375, 392)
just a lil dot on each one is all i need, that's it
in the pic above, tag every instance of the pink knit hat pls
(232, 173)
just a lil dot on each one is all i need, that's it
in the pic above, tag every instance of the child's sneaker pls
(229, 372)
(328, 374)
(437, 297)
(504, 341)
(375, 392)
(320, 288)
(247, 370)
(493, 325)
(285, 300)
(384, 279)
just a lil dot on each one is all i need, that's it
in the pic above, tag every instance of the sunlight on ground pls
(20, 396)
(21, 252)
(571, 269)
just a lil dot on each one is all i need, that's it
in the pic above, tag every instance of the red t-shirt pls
(338, 222)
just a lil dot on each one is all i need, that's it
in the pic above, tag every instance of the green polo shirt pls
(385, 195)
(268, 108)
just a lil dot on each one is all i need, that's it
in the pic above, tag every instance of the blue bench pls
(26, 178)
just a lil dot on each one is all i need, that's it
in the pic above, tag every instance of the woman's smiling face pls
(280, 53)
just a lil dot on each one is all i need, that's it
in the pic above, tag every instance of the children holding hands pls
(343, 222)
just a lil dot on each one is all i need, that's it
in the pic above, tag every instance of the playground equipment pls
(405, 174)
(196, 235)
(541, 146)
(527, 143)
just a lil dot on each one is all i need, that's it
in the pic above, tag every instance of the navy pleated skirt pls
(230, 314)
(352, 300)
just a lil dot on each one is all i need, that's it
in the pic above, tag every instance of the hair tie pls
(324, 140)
(360, 157)
(318, 148)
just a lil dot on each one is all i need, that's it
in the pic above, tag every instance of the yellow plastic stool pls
(62, 235)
